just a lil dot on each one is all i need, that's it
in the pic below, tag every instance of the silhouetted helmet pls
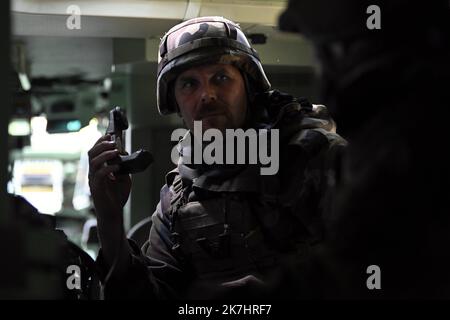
(199, 41)
(325, 21)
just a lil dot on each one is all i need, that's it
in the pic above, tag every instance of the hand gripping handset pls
(137, 161)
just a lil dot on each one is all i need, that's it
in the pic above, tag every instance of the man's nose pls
(208, 94)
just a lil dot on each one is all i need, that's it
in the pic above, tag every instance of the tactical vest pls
(249, 224)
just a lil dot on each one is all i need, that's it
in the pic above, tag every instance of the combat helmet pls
(205, 40)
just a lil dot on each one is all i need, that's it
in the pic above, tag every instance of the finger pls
(106, 137)
(101, 147)
(119, 177)
(123, 177)
(104, 140)
(101, 174)
(99, 161)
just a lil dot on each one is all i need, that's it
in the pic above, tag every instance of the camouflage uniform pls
(215, 224)
(219, 223)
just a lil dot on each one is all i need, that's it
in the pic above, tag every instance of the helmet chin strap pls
(250, 113)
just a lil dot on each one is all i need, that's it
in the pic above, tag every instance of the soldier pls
(386, 83)
(219, 230)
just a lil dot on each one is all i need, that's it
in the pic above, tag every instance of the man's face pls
(214, 94)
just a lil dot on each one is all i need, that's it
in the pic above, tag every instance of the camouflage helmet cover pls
(204, 40)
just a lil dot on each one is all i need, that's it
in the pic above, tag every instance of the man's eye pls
(187, 84)
(222, 77)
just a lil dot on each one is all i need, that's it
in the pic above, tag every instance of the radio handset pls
(137, 161)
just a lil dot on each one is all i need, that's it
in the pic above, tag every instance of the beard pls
(215, 115)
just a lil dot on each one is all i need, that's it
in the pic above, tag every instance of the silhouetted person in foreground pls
(388, 89)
